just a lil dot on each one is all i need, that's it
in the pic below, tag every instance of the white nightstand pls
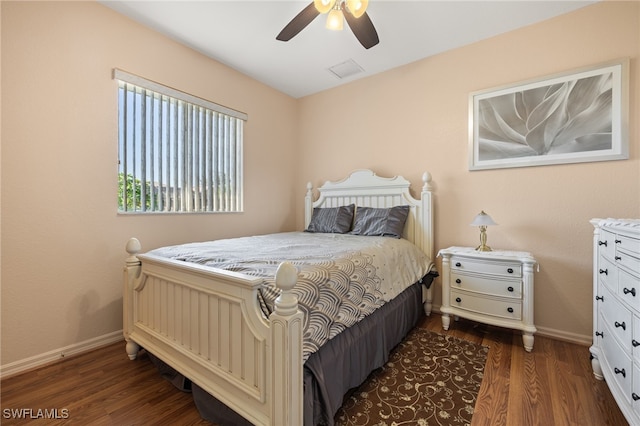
(492, 287)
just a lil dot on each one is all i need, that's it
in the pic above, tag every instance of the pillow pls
(335, 220)
(386, 222)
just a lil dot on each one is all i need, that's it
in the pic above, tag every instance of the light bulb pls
(357, 7)
(334, 20)
(323, 6)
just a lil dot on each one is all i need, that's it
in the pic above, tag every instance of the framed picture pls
(573, 117)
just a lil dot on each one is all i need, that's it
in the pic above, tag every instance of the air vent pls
(346, 69)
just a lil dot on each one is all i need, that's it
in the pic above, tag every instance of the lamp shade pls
(335, 20)
(323, 6)
(483, 219)
(357, 7)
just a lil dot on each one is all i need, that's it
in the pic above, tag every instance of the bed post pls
(286, 351)
(308, 205)
(131, 273)
(427, 223)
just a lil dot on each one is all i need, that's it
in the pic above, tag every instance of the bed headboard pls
(365, 189)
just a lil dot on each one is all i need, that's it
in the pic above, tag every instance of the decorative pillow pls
(336, 220)
(386, 222)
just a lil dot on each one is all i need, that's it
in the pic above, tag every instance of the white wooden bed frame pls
(207, 323)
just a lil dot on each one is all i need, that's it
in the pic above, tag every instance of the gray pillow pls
(336, 220)
(386, 222)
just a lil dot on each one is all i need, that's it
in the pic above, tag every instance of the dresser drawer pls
(620, 364)
(486, 306)
(608, 273)
(505, 269)
(617, 317)
(635, 342)
(628, 244)
(488, 286)
(628, 261)
(629, 289)
(607, 244)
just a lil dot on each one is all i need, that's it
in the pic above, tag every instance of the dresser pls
(616, 311)
(492, 287)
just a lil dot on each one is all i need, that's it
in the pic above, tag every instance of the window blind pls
(177, 152)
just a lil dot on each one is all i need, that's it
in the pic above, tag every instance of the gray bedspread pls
(342, 278)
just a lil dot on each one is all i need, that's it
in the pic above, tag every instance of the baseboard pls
(41, 360)
(552, 333)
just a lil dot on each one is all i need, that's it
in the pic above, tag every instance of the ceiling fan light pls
(357, 7)
(323, 6)
(335, 20)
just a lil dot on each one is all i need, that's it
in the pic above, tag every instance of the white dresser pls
(493, 287)
(616, 311)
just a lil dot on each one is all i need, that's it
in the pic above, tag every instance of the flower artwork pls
(566, 119)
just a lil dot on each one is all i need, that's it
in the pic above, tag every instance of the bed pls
(241, 337)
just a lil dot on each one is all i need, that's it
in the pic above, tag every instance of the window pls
(176, 153)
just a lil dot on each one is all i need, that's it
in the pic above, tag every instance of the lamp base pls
(483, 247)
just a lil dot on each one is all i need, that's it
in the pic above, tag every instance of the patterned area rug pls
(430, 379)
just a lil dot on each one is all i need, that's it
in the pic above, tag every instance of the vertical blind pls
(176, 152)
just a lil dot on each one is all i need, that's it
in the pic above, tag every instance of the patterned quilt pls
(341, 278)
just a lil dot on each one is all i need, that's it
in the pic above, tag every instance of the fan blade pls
(298, 23)
(362, 28)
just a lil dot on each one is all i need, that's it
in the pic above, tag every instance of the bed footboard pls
(208, 325)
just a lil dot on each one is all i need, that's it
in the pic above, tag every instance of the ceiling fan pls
(353, 11)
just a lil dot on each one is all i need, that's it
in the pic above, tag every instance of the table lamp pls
(483, 220)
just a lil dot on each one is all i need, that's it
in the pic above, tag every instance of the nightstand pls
(492, 287)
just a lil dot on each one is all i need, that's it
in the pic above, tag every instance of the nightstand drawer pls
(484, 285)
(506, 269)
(486, 306)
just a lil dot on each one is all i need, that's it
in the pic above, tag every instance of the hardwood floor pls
(553, 385)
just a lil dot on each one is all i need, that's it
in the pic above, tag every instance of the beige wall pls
(62, 241)
(415, 118)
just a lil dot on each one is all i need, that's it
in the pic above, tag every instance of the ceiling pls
(242, 34)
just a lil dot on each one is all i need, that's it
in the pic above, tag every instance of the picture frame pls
(572, 117)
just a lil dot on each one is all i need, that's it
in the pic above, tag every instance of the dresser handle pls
(600, 298)
(618, 241)
(602, 243)
(627, 291)
(458, 264)
(510, 309)
(635, 343)
(604, 271)
(510, 270)
(510, 289)
(620, 371)
(635, 396)
(600, 333)
(620, 324)
(458, 280)
(458, 300)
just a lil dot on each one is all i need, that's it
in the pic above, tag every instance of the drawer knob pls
(602, 243)
(604, 271)
(627, 291)
(458, 264)
(600, 298)
(635, 396)
(620, 324)
(458, 280)
(617, 258)
(510, 270)
(635, 343)
(620, 371)
(510, 309)
(600, 333)
(510, 289)
(458, 300)
(618, 241)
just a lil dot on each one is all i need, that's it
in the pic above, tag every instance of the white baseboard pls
(36, 361)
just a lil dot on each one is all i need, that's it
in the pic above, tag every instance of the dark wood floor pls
(553, 385)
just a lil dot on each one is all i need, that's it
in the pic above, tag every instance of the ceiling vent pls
(346, 69)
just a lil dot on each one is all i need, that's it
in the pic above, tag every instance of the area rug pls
(430, 379)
